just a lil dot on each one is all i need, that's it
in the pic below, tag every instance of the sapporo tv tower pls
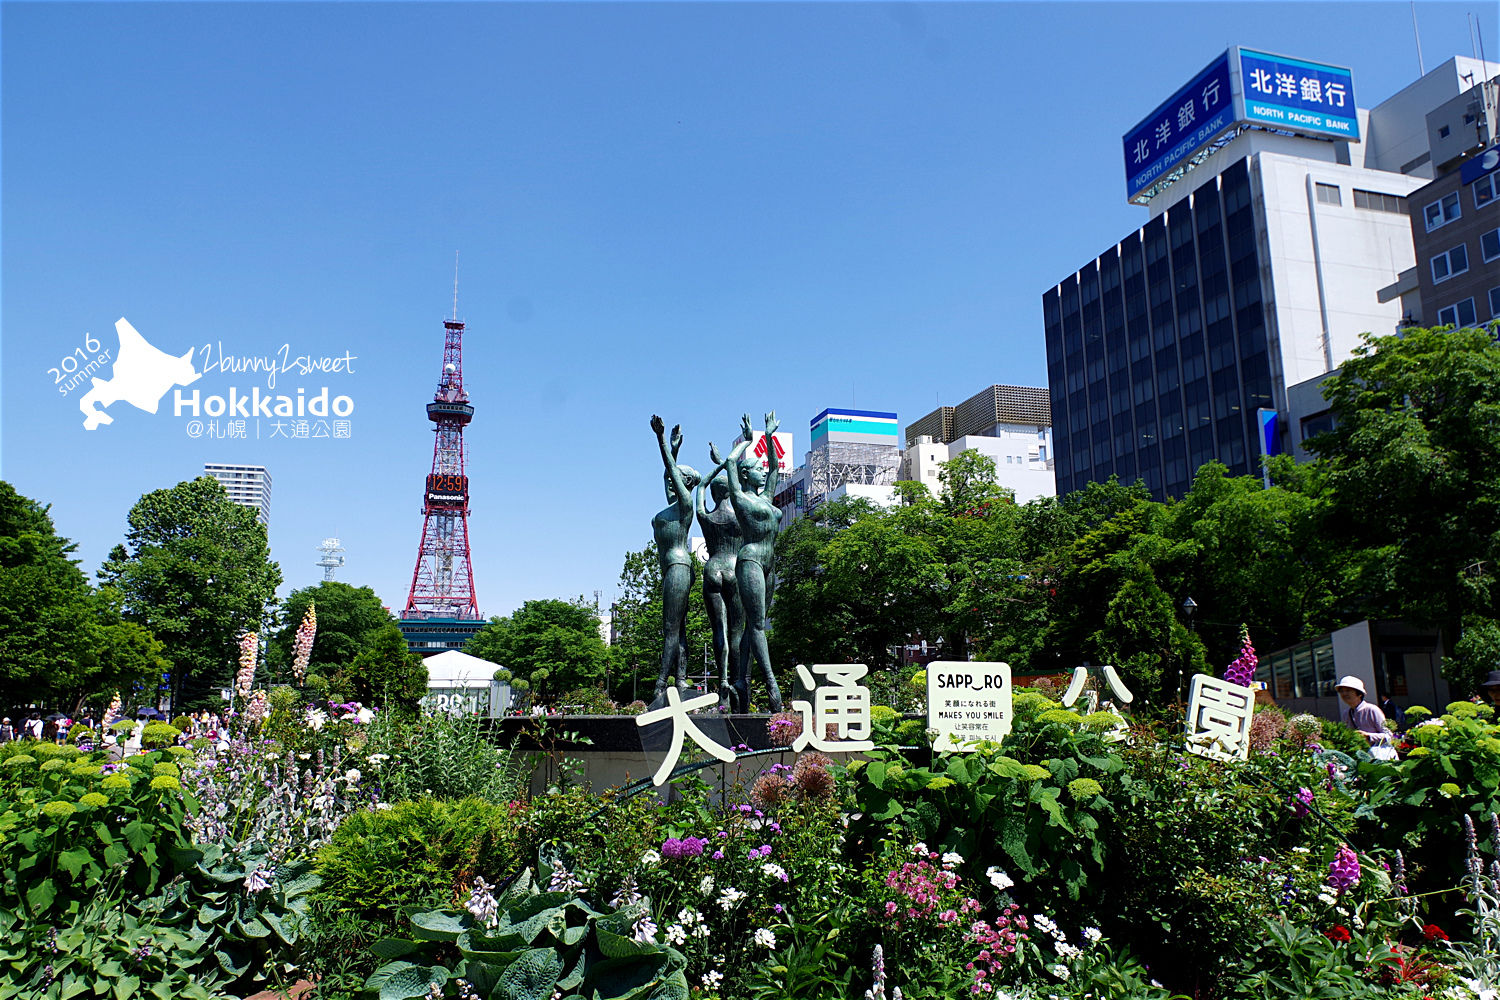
(442, 610)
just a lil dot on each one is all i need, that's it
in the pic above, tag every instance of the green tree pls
(635, 656)
(348, 616)
(384, 673)
(61, 642)
(553, 645)
(1413, 466)
(196, 571)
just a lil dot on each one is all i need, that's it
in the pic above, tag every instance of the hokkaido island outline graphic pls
(142, 374)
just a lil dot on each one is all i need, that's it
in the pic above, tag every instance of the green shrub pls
(419, 852)
(158, 735)
(446, 756)
(1416, 714)
(315, 688)
(78, 733)
(183, 723)
(588, 701)
(541, 944)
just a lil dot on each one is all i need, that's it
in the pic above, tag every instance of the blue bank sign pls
(1298, 96)
(1186, 122)
(1240, 87)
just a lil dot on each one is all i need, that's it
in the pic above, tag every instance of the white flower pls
(365, 715)
(1060, 971)
(382, 805)
(644, 930)
(919, 848)
(352, 775)
(701, 931)
(676, 935)
(773, 870)
(689, 917)
(1156, 984)
(765, 938)
(379, 758)
(998, 878)
(650, 858)
(1065, 950)
(952, 860)
(712, 978)
(1044, 924)
(707, 885)
(729, 898)
(1093, 935)
(315, 718)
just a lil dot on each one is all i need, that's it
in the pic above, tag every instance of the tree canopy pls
(196, 571)
(552, 645)
(348, 617)
(61, 641)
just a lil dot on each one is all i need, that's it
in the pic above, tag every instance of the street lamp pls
(1189, 609)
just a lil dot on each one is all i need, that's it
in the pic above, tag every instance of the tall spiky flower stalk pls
(302, 647)
(1242, 670)
(246, 676)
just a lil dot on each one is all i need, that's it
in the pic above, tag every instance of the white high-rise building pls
(247, 485)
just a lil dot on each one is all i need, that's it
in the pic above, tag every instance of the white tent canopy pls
(455, 668)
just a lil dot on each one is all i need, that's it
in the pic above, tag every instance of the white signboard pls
(967, 701)
(759, 452)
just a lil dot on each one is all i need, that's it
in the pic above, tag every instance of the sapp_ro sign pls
(968, 701)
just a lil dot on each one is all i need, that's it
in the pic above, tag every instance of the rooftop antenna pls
(331, 559)
(455, 286)
(1421, 68)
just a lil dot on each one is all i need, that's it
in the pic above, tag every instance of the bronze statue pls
(750, 491)
(721, 592)
(670, 527)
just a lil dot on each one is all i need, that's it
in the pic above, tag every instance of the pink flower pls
(1343, 870)
(1242, 670)
(246, 675)
(302, 646)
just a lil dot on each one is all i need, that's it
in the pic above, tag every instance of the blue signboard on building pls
(1297, 96)
(1485, 163)
(1186, 122)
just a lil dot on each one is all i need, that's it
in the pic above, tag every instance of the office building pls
(1455, 221)
(1278, 212)
(853, 453)
(247, 485)
(1011, 424)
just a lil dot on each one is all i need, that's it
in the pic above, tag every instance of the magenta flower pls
(1300, 801)
(1343, 870)
(1242, 670)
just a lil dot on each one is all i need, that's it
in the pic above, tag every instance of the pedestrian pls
(1491, 688)
(7, 731)
(34, 726)
(1394, 712)
(1359, 713)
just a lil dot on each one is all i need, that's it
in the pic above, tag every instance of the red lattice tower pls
(442, 584)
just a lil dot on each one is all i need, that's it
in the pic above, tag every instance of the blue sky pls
(687, 209)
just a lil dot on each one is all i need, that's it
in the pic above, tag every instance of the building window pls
(1459, 314)
(1442, 211)
(1443, 132)
(1486, 189)
(1495, 302)
(1489, 244)
(1378, 201)
(1446, 265)
(1328, 194)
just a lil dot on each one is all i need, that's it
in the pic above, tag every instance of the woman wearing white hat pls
(1362, 715)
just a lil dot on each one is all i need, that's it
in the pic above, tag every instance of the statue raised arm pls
(670, 529)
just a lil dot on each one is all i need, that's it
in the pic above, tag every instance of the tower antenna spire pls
(455, 285)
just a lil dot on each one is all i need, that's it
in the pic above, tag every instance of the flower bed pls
(378, 856)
